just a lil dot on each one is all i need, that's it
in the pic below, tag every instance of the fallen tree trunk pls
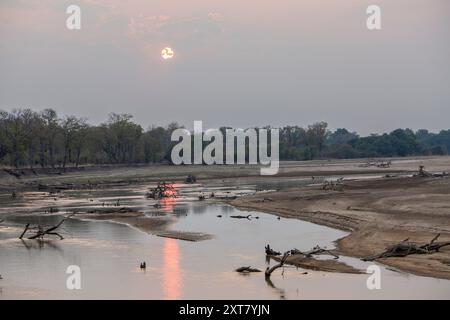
(24, 231)
(278, 265)
(41, 232)
(316, 250)
(406, 248)
(247, 269)
(242, 217)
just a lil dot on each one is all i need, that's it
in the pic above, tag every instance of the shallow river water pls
(109, 253)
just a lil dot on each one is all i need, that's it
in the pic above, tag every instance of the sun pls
(167, 53)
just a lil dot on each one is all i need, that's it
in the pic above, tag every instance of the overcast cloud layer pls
(238, 63)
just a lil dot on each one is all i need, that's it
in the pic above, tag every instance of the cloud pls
(216, 16)
(143, 26)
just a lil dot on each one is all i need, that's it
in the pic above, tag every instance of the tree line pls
(43, 139)
(316, 142)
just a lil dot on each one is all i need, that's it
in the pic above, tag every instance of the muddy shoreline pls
(377, 213)
(110, 176)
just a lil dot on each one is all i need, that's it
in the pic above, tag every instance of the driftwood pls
(423, 173)
(242, 217)
(225, 197)
(441, 175)
(383, 164)
(271, 252)
(191, 179)
(40, 232)
(162, 190)
(314, 251)
(278, 265)
(332, 185)
(406, 248)
(247, 270)
(24, 231)
(379, 164)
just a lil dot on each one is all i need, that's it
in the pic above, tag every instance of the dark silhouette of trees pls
(42, 139)
(29, 138)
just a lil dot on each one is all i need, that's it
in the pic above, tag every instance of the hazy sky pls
(237, 62)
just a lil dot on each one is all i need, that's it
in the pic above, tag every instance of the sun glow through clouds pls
(167, 53)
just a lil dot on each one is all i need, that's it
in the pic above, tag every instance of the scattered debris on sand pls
(425, 174)
(406, 247)
(191, 179)
(304, 260)
(333, 184)
(377, 213)
(378, 164)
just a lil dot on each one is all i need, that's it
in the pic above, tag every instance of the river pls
(109, 253)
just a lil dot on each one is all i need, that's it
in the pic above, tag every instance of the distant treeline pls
(42, 139)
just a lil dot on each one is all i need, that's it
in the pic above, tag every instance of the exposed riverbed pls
(109, 253)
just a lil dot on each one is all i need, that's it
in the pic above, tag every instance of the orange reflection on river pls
(172, 280)
(170, 199)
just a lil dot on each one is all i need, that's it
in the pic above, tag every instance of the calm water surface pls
(109, 253)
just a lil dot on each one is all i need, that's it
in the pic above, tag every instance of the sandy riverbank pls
(377, 212)
(110, 176)
(158, 226)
